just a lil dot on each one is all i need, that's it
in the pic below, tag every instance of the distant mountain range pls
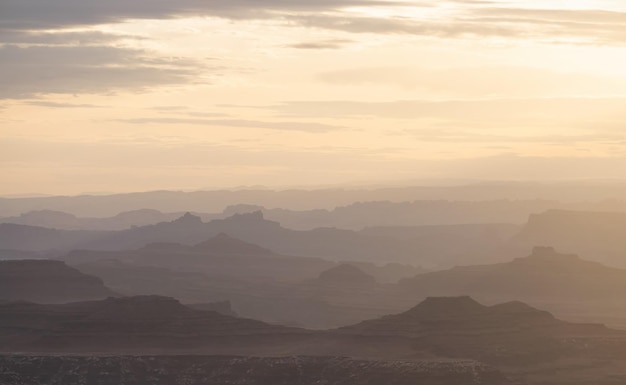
(215, 201)
(374, 245)
(63, 221)
(321, 293)
(219, 256)
(568, 285)
(594, 234)
(354, 216)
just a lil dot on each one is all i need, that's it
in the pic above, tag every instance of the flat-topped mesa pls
(457, 315)
(548, 254)
(447, 306)
(225, 244)
(465, 306)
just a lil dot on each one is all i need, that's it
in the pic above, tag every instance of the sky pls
(137, 95)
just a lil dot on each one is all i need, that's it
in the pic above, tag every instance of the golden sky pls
(140, 95)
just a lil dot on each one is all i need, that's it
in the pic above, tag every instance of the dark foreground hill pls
(47, 281)
(511, 333)
(443, 327)
(220, 370)
(525, 342)
(132, 324)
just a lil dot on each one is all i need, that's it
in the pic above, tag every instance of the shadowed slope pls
(48, 281)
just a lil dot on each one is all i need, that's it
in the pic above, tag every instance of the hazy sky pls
(123, 95)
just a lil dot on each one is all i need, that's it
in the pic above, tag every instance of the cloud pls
(462, 17)
(33, 70)
(457, 136)
(46, 14)
(323, 44)
(588, 111)
(287, 126)
(480, 81)
(62, 37)
(599, 26)
(443, 28)
(61, 105)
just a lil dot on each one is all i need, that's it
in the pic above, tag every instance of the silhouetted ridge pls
(163, 246)
(225, 244)
(121, 324)
(346, 275)
(546, 254)
(457, 315)
(518, 307)
(140, 214)
(433, 307)
(222, 307)
(48, 281)
(147, 307)
(255, 216)
(188, 219)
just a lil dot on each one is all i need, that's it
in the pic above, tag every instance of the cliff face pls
(46, 281)
(216, 370)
